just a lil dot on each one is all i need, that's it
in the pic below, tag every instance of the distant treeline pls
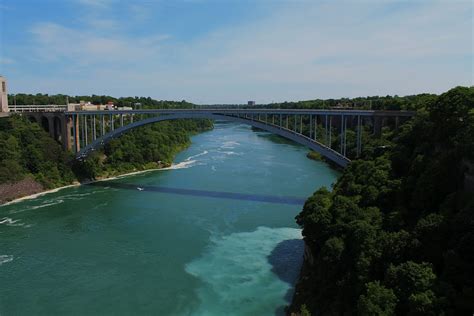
(410, 102)
(396, 234)
(135, 102)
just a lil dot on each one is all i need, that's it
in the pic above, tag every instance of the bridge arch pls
(326, 152)
(57, 126)
(45, 123)
(32, 119)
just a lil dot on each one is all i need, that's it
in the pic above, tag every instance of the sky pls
(232, 51)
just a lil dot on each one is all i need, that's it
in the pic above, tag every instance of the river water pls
(214, 235)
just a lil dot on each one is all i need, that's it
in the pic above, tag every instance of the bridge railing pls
(37, 108)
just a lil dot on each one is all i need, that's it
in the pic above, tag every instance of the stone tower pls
(3, 95)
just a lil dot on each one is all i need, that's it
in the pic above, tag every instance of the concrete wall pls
(57, 125)
(3, 95)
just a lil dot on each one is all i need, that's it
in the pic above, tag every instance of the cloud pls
(81, 48)
(102, 24)
(141, 12)
(96, 3)
(6, 61)
(298, 50)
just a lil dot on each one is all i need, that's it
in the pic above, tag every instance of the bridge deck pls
(252, 111)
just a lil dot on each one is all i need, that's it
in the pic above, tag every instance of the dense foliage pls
(410, 102)
(396, 234)
(26, 149)
(149, 146)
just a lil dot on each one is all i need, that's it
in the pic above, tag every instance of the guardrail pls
(38, 108)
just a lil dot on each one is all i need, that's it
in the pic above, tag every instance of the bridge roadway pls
(330, 112)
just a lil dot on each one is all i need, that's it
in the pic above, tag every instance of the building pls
(3, 95)
(251, 103)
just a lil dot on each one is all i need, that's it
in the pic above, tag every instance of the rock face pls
(304, 286)
(11, 191)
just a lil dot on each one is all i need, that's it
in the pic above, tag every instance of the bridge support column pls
(83, 129)
(378, 122)
(359, 134)
(66, 132)
(326, 135)
(316, 128)
(50, 126)
(345, 136)
(77, 144)
(330, 132)
(94, 130)
(342, 134)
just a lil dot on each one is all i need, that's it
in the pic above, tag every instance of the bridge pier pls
(378, 124)
(51, 126)
(56, 124)
(3, 95)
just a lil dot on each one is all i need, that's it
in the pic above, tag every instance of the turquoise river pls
(213, 235)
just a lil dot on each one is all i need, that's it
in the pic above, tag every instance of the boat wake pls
(5, 259)
(187, 163)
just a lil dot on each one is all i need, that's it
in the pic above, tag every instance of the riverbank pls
(44, 167)
(39, 193)
(11, 199)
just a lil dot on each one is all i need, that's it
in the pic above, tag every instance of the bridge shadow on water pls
(203, 193)
(286, 260)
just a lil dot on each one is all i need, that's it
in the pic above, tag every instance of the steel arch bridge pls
(93, 129)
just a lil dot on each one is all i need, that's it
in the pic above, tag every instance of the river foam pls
(5, 259)
(238, 274)
(47, 203)
(230, 144)
(13, 222)
(187, 163)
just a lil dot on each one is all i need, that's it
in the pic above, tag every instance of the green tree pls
(377, 300)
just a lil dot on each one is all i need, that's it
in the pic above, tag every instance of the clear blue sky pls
(231, 51)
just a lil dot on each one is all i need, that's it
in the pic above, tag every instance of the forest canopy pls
(396, 234)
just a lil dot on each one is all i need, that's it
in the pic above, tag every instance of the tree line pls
(410, 102)
(395, 236)
(61, 99)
